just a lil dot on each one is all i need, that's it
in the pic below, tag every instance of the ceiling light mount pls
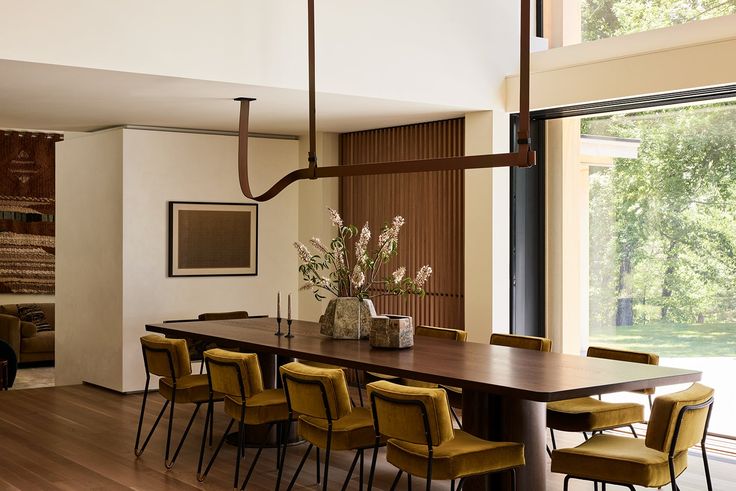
(523, 157)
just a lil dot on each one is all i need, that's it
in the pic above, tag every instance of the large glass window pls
(608, 18)
(662, 239)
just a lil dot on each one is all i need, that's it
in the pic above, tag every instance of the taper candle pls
(289, 306)
(278, 305)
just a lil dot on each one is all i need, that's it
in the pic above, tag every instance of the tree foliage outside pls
(609, 18)
(663, 226)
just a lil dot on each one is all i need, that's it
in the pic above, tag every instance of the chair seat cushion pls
(349, 432)
(42, 342)
(267, 406)
(189, 388)
(589, 414)
(465, 455)
(419, 383)
(617, 459)
(317, 364)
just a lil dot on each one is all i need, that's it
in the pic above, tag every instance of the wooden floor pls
(81, 437)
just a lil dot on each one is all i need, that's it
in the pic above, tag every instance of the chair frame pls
(359, 452)
(671, 452)
(427, 435)
(139, 450)
(240, 452)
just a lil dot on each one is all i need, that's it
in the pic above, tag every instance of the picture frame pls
(213, 239)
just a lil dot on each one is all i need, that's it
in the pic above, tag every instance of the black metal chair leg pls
(457, 420)
(299, 469)
(372, 471)
(255, 459)
(140, 419)
(170, 464)
(396, 480)
(362, 461)
(284, 436)
(408, 481)
(633, 431)
(171, 424)
(567, 480)
(705, 466)
(513, 479)
(204, 438)
(327, 460)
(139, 451)
(452, 485)
(460, 484)
(350, 471)
(318, 466)
(357, 382)
(201, 477)
(241, 434)
(552, 435)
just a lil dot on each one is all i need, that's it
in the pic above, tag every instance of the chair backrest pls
(524, 342)
(232, 373)
(166, 357)
(680, 420)
(221, 316)
(441, 332)
(412, 414)
(625, 355)
(318, 392)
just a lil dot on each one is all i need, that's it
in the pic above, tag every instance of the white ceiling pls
(60, 98)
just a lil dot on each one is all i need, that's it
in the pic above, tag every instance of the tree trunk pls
(624, 302)
(667, 280)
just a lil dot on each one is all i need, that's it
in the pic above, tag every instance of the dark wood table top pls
(508, 372)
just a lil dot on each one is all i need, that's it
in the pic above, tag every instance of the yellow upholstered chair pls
(678, 422)
(422, 442)
(319, 396)
(589, 414)
(237, 376)
(169, 359)
(524, 342)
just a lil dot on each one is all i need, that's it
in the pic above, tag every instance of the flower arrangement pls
(331, 268)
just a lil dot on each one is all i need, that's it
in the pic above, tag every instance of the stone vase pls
(392, 331)
(347, 318)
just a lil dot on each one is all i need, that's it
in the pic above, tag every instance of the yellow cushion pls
(625, 355)
(317, 364)
(306, 398)
(419, 383)
(158, 361)
(664, 418)
(265, 407)
(617, 459)
(524, 342)
(189, 388)
(464, 455)
(349, 432)
(225, 377)
(405, 421)
(588, 414)
(441, 332)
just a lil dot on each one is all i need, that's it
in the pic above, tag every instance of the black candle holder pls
(278, 331)
(289, 334)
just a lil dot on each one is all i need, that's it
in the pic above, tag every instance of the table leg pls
(503, 419)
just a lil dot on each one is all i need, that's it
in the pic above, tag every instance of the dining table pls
(505, 390)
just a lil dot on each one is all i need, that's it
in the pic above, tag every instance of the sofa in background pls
(29, 344)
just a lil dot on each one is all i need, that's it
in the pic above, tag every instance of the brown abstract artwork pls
(212, 239)
(27, 211)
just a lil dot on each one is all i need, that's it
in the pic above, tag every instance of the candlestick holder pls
(289, 334)
(278, 331)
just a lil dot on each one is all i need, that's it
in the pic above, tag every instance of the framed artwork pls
(213, 239)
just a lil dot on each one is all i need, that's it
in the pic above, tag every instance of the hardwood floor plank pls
(81, 438)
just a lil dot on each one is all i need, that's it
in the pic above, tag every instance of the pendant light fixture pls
(523, 157)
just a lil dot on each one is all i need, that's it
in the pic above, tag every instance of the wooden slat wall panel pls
(432, 204)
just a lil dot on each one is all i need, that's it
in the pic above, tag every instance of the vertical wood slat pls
(432, 204)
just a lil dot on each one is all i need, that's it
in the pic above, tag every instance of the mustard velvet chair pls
(237, 377)
(169, 359)
(422, 442)
(319, 396)
(533, 343)
(588, 414)
(678, 422)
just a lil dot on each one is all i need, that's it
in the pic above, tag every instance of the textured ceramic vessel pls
(347, 318)
(392, 331)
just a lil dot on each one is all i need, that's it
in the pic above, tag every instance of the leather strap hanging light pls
(523, 157)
